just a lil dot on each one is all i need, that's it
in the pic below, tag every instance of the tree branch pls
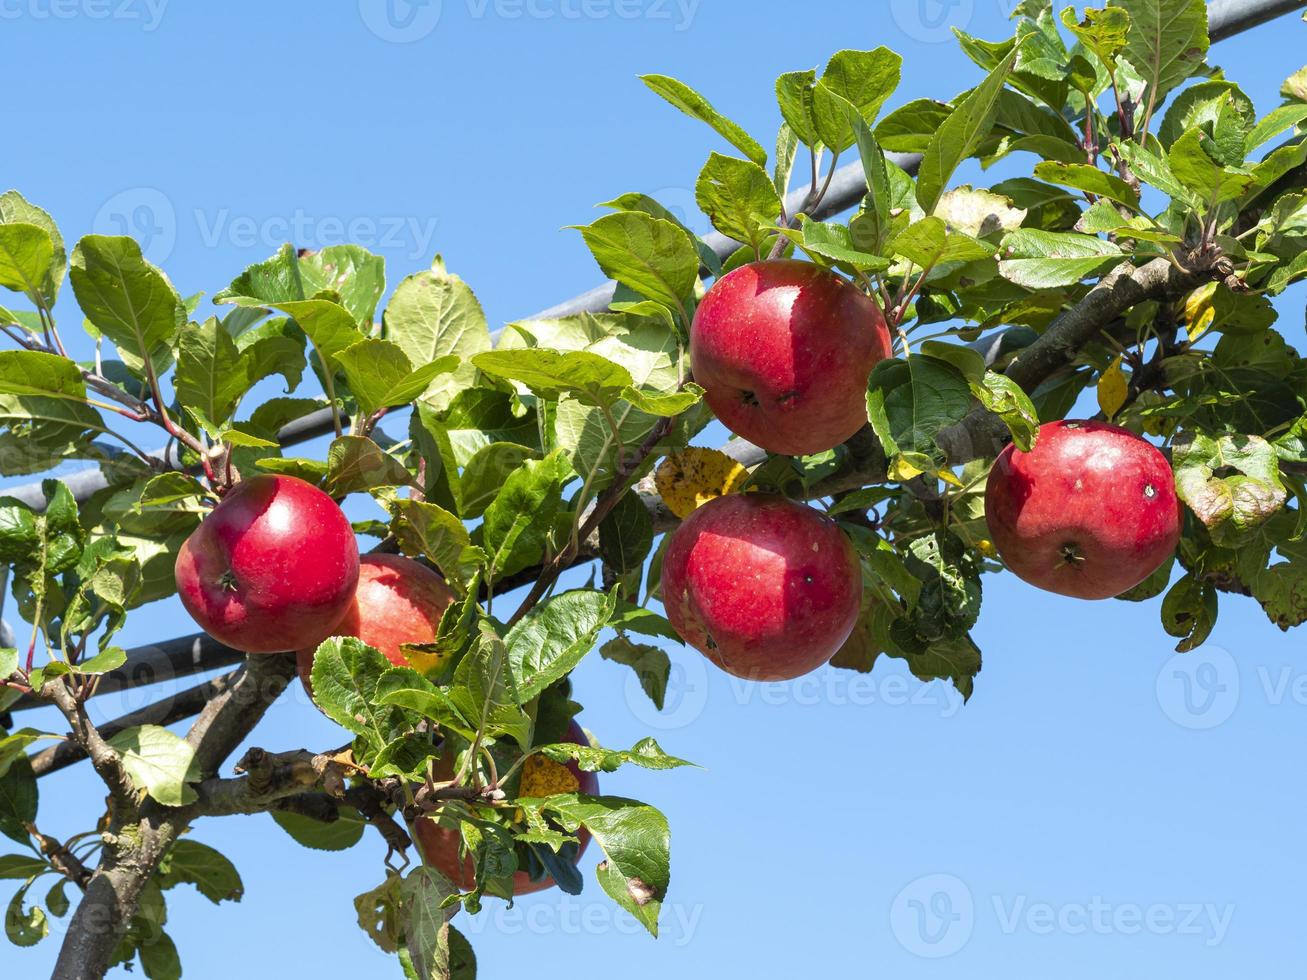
(107, 762)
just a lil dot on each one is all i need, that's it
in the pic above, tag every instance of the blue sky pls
(1098, 804)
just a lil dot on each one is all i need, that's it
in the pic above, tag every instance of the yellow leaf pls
(1112, 389)
(545, 777)
(693, 476)
(1199, 310)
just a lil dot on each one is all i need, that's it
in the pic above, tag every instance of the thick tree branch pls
(982, 434)
(107, 762)
(270, 778)
(137, 840)
(183, 705)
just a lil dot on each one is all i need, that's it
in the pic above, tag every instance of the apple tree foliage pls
(1130, 267)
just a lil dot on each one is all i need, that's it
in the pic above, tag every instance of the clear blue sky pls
(1078, 812)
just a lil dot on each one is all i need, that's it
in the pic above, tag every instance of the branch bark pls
(139, 834)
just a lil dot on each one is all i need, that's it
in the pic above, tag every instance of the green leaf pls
(1219, 108)
(787, 151)
(1004, 397)
(159, 763)
(338, 835)
(405, 688)
(191, 862)
(928, 242)
(1235, 505)
(739, 199)
(328, 325)
(18, 800)
(664, 404)
(1154, 170)
(426, 530)
(1194, 167)
(910, 400)
(863, 79)
(485, 691)
(357, 464)
(954, 659)
(275, 346)
(835, 242)
(110, 658)
(20, 866)
(125, 297)
(211, 374)
(651, 665)
(1281, 590)
(429, 937)
(646, 753)
(911, 127)
(1274, 123)
(380, 374)
(647, 346)
(25, 926)
(30, 372)
(1088, 178)
(1189, 612)
(26, 254)
(1045, 259)
(1104, 32)
(1166, 42)
(656, 258)
(159, 957)
(794, 95)
(585, 375)
(15, 209)
(960, 134)
(552, 638)
(484, 475)
(636, 843)
(344, 676)
(519, 521)
(350, 271)
(626, 534)
(695, 105)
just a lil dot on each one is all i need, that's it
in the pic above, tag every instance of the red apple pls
(540, 777)
(1089, 512)
(783, 350)
(398, 600)
(764, 587)
(272, 568)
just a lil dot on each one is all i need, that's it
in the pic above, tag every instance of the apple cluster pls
(765, 587)
(769, 589)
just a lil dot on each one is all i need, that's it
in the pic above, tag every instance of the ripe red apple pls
(272, 568)
(783, 350)
(1089, 512)
(397, 601)
(766, 588)
(540, 777)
